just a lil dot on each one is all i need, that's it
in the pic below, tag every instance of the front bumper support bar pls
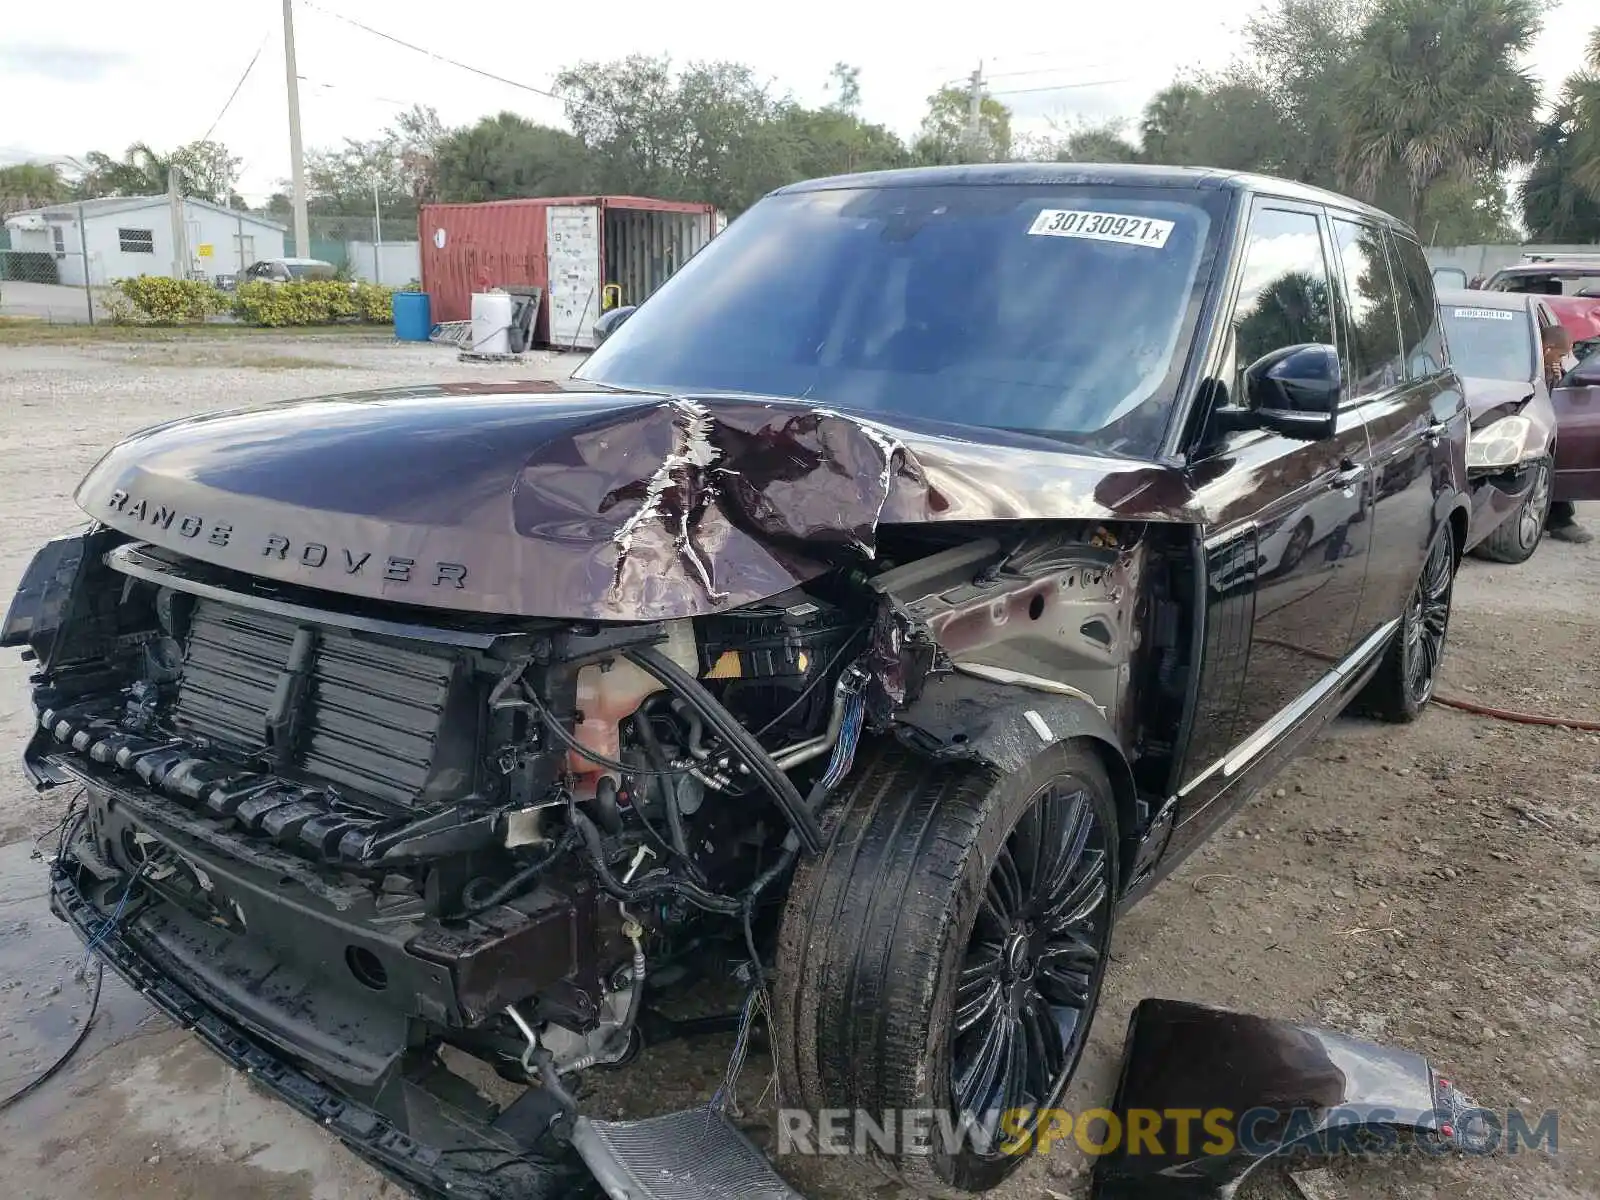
(486, 1172)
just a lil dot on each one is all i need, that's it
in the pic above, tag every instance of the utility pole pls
(974, 111)
(83, 248)
(180, 256)
(377, 233)
(297, 166)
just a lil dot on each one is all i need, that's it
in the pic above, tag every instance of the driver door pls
(1286, 556)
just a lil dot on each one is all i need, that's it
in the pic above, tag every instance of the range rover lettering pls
(885, 606)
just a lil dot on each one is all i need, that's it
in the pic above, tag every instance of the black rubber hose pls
(520, 882)
(550, 1080)
(696, 895)
(668, 787)
(741, 740)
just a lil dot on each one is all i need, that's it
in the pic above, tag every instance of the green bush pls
(311, 302)
(376, 303)
(157, 300)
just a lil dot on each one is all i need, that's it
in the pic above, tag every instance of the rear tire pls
(1404, 681)
(951, 940)
(1518, 536)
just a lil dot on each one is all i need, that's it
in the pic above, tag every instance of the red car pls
(1570, 285)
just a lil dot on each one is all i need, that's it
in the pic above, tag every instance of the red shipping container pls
(572, 247)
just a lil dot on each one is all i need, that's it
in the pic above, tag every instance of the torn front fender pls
(1258, 1088)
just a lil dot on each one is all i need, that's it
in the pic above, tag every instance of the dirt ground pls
(1436, 885)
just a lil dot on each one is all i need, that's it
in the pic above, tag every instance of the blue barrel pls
(413, 316)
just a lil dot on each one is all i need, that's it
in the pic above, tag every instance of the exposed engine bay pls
(488, 834)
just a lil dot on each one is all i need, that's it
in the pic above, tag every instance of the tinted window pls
(1283, 296)
(1420, 329)
(1375, 361)
(1050, 308)
(1489, 343)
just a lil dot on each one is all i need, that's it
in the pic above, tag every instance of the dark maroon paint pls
(499, 500)
(1577, 405)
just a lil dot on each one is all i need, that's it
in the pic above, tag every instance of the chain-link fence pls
(47, 273)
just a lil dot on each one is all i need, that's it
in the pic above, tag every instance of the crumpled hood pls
(531, 500)
(1490, 399)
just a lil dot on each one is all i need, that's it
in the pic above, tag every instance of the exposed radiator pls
(319, 701)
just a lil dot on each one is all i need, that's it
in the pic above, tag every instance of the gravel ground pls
(1435, 885)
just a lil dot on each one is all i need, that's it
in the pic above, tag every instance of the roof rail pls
(1546, 257)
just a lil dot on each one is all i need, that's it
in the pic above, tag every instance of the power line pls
(389, 37)
(339, 87)
(1040, 71)
(233, 94)
(1060, 87)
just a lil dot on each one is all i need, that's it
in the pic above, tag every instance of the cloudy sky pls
(111, 72)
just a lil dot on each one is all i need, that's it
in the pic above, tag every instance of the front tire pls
(946, 952)
(1518, 536)
(1403, 684)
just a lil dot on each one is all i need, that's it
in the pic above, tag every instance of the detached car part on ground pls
(856, 624)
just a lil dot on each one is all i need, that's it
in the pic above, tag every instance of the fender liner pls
(961, 718)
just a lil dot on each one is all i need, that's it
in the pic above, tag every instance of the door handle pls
(1350, 474)
(1435, 431)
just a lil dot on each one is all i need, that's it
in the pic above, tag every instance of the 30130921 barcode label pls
(1102, 227)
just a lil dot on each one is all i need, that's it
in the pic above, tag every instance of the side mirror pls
(609, 322)
(1293, 391)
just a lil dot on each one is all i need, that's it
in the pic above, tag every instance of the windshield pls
(1489, 343)
(1052, 309)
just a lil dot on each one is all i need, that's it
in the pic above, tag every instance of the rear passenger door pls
(1377, 387)
(1412, 426)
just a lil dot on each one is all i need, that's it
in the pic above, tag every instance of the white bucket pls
(491, 323)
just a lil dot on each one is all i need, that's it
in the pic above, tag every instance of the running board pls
(693, 1155)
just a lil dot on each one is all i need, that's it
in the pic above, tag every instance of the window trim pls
(122, 241)
(1187, 431)
(1346, 309)
(1397, 234)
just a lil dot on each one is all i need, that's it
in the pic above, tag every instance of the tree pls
(1301, 55)
(946, 137)
(1561, 195)
(507, 156)
(845, 81)
(31, 185)
(206, 170)
(1436, 93)
(400, 160)
(1229, 123)
(1554, 207)
(710, 132)
(1089, 142)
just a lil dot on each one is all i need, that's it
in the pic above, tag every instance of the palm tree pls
(139, 172)
(1561, 195)
(1582, 95)
(1436, 92)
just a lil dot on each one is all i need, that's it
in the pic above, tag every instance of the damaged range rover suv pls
(885, 605)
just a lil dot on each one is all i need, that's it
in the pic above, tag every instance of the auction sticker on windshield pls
(1102, 227)
(1484, 314)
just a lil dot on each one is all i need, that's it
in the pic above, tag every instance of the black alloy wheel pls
(1033, 964)
(944, 955)
(1403, 684)
(1426, 621)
